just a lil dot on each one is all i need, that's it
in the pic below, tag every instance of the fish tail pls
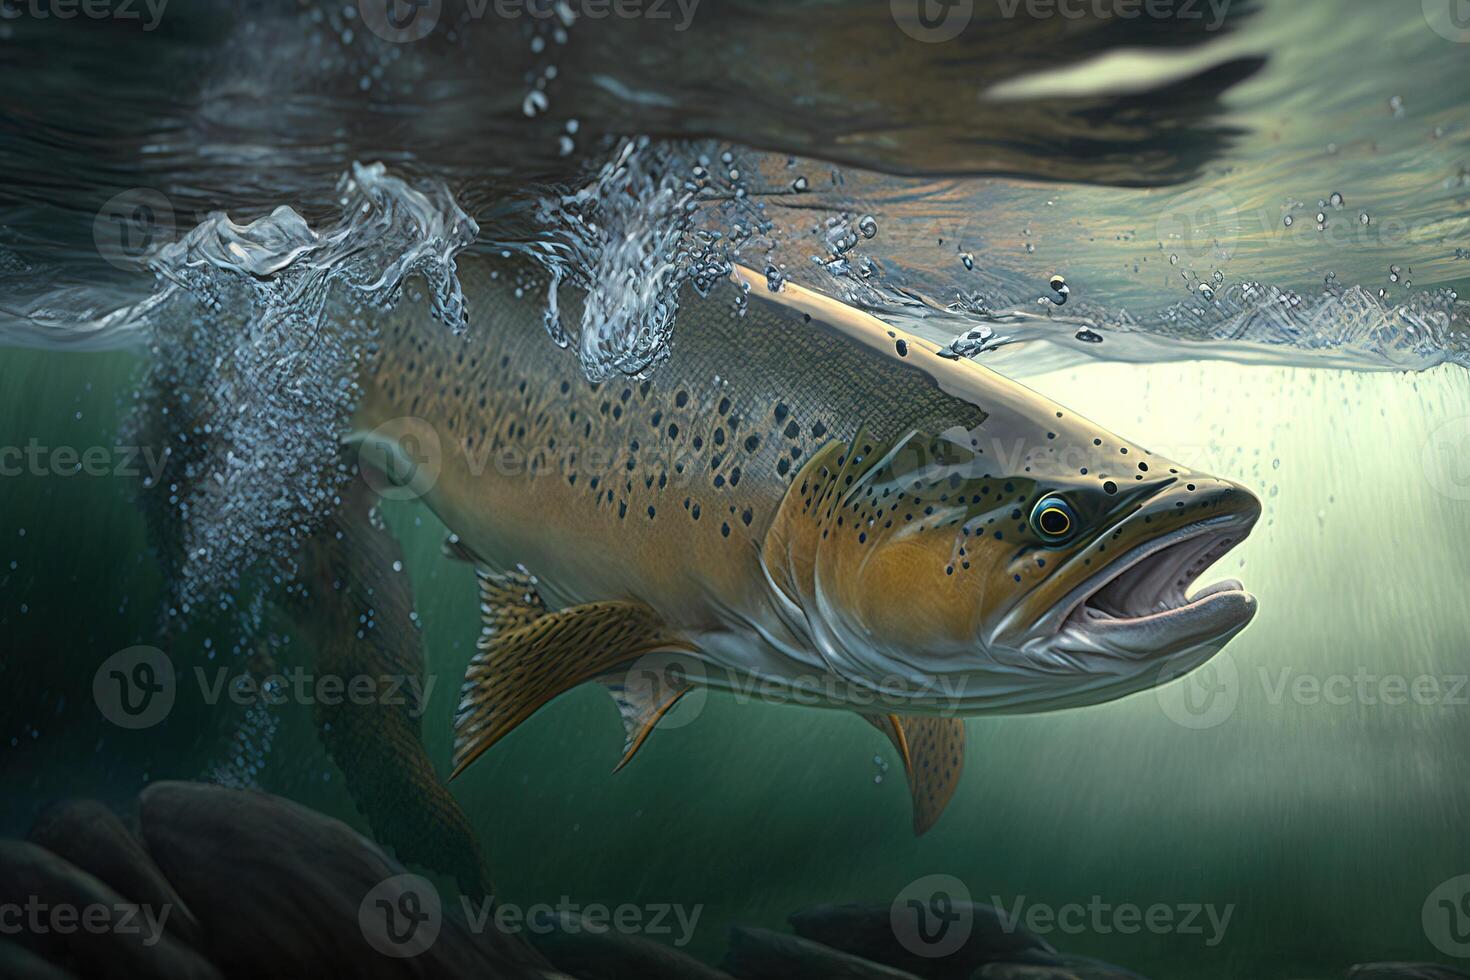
(357, 610)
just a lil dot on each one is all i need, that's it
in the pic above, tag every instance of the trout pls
(800, 501)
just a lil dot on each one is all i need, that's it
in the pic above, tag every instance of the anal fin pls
(933, 753)
(528, 656)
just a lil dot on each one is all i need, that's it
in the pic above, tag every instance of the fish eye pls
(1053, 519)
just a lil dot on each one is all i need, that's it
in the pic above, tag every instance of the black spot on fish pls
(902, 346)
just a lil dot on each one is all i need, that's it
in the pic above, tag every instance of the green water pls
(1322, 823)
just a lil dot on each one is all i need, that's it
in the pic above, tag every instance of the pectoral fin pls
(527, 656)
(933, 753)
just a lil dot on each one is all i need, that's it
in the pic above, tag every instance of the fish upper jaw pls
(1137, 605)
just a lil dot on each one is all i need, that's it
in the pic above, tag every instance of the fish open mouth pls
(1141, 604)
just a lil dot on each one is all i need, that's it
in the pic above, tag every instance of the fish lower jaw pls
(1215, 614)
(1146, 610)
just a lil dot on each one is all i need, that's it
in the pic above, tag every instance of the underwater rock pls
(1060, 967)
(19, 963)
(90, 836)
(610, 955)
(1404, 971)
(866, 931)
(275, 884)
(74, 920)
(761, 954)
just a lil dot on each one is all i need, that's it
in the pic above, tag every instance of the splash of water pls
(250, 387)
(1251, 322)
(656, 217)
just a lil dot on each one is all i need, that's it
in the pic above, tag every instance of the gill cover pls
(878, 546)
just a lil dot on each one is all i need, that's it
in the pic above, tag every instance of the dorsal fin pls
(933, 753)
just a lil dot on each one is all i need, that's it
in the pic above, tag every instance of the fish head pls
(1024, 559)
